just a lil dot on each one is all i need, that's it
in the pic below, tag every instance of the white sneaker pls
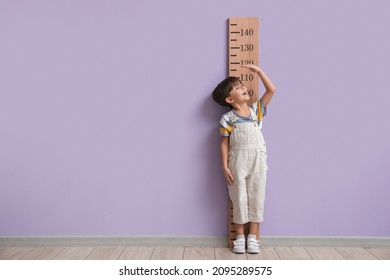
(253, 246)
(239, 246)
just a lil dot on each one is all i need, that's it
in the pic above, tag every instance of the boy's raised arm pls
(269, 86)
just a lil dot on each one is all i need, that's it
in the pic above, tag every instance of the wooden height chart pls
(243, 50)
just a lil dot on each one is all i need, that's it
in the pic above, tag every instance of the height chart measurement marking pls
(243, 49)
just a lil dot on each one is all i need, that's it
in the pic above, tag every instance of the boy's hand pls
(228, 176)
(252, 67)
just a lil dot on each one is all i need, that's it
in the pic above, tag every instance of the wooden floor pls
(192, 253)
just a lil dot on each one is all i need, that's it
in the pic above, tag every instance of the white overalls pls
(248, 164)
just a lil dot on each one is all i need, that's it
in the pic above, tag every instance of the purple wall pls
(107, 126)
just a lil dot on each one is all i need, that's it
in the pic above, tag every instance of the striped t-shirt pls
(226, 125)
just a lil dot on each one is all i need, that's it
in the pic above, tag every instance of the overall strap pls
(254, 116)
(233, 118)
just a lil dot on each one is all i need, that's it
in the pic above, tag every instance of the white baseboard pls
(190, 241)
(326, 241)
(96, 241)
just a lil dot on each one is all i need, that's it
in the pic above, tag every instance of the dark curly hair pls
(223, 89)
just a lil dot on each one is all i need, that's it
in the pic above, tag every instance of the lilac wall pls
(107, 126)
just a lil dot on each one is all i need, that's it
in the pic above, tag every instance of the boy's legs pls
(253, 238)
(239, 229)
(254, 229)
(256, 193)
(239, 243)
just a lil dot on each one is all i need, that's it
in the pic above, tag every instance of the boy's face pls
(239, 94)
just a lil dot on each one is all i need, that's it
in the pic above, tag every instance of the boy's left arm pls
(269, 86)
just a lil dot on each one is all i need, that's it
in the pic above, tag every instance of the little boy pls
(244, 154)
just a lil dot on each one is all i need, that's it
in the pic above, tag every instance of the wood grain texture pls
(381, 253)
(192, 253)
(266, 253)
(14, 253)
(168, 253)
(137, 253)
(227, 254)
(292, 253)
(356, 253)
(105, 253)
(199, 253)
(324, 253)
(43, 253)
(74, 253)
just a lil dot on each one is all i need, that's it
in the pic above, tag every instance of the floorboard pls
(266, 253)
(74, 253)
(105, 253)
(168, 253)
(43, 253)
(14, 253)
(226, 254)
(324, 253)
(356, 253)
(199, 253)
(137, 253)
(293, 253)
(381, 253)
